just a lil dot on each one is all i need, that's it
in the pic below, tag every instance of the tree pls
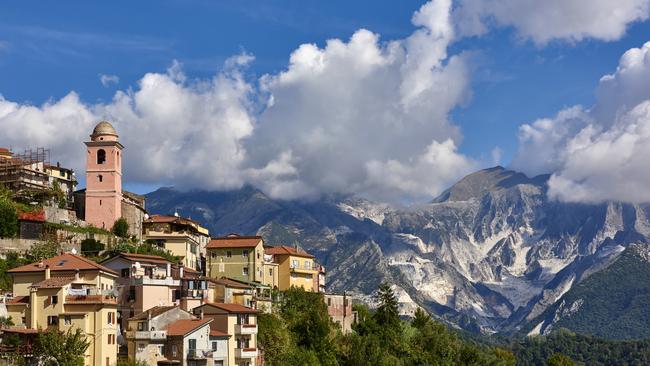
(91, 247)
(558, 359)
(387, 312)
(131, 362)
(274, 338)
(8, 219)
(121, 228)
(43, 250)
(54, 347)
(421, 318)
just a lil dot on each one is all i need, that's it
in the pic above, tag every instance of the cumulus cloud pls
(598, 154)
(543, 21)
(341, 113)
(361, 116)
(107, 80)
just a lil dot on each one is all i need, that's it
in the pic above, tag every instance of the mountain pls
(491, 253)
(612, 303)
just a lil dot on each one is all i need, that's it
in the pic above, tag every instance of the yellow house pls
(240, 322)
(181, 237)
(68, 292)
(296, 268)
(237, 257)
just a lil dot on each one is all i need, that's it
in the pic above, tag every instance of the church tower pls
(103, 177)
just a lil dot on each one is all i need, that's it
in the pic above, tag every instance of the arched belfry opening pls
(101, 156)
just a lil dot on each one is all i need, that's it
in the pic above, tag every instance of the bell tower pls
(103, 177)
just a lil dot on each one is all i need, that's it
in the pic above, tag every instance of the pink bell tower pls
(103, 177)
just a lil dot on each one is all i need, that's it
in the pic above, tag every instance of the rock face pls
(491, 253)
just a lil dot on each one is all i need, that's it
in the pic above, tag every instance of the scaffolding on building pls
(25, 171)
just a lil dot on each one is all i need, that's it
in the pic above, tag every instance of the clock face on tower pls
(103, 177)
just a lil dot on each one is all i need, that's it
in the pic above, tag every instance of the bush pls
(121, 228)
(91, 247)
(8, 219)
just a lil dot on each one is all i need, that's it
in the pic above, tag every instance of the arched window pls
(100, 178)
(101, 156)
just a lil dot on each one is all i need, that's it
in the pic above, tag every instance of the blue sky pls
(53, 48)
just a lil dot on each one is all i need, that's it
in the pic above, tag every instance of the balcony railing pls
(199, 354)
(146, 280)
(246, 329)
(245, 352)
(153, 335)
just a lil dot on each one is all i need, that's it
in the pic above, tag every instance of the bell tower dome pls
(103, 177)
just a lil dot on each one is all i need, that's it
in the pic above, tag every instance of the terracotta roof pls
(170, 219)
(38, 216)
(4, 150)
(155, 311)
(54, 282)
(184, 326)
(232, 308)
(285, 250)
(20, 330)
(63, 262)
(230, 283)
(234, 241)
(143, 258)
(19, 300)
(218, 333)
(90, 299)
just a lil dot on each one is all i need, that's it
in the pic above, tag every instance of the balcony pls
(245, 328)
(303, 269)
(199, 354)
(154, 335)
(245, 352)
(145, 280)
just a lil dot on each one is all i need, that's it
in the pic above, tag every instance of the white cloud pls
(543, 21)
(598, 154)
(361, 116)
(107, 80)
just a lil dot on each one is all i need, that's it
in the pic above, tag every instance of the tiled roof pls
(144, 258)
(184, 326)
(218, 333)
(54, 282)
(230, 283)
(155, 311)
(285, 250)
(234, 241)
(63, 262)
(38, 216)
(232, 308)
(90, 299)
(18, 300)
(4, 150)
(20, 330)
(170, 219)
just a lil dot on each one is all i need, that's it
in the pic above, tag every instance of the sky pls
(391, 100)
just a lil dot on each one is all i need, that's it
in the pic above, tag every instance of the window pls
(67, 320)
(329, 301)
(141, 347)
(213, 255)
(111, 339)
(245, 271)
(258, 255)
(52, 320)
(228, 254)
(245, 253)
(126, 272)
(141, 326)
(54, 299)
(192, 343)
(218, 363)
(214, 345)
(271, 272)
(101, 156)
(161, 350)
(294, 263)
(111, 318)
(100, 178)
(307, 265)
(132, 293)
(108, 361)
(174, 350)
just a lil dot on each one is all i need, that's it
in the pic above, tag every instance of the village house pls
(241, 323)
(181, 237)
(296, 268)
(67, 292)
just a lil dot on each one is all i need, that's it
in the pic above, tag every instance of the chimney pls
(47, 272)
(201, 314)
(76, 275)
(169, 269)
(180, 271)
